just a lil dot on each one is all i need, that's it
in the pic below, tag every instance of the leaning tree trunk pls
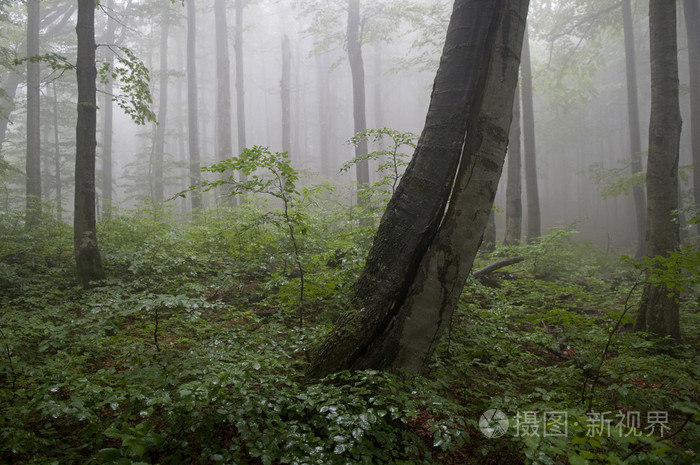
(87, 254)
(514, 202)
(658, 311)
(192, 116)
(357, 70)
(33, 161)
(692, 25)
(633, 122)
(405, 247)
(531, 189)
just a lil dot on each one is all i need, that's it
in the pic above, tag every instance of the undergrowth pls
(190, 352)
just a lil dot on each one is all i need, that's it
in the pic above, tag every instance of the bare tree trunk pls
(7, 101)
(514, 203)
(692, 25)
(285, 95)
(240, 81)
(33, 161)
(57, 157)
(324, 114)
(658, 311)
(87, 254)
(633, 122)
(406, 254)
(159, 153)
(192, 113)
(531, 189)
(108, 122)
(358, 92)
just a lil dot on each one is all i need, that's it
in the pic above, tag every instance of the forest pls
(350, 232)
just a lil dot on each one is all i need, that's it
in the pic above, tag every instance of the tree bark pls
(514, 203)
(57, 157)
(192, 112)
(366, 336)
(325, 115)
(285, 95)
(33, 161)
(108, 123)
(658, 312)
(240, 80)
(692, 25)
(358, 93)
(159, 152)
(531, 189)
(633, 123)
(7, 101)
(87, 254)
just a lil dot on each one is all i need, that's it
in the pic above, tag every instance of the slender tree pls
(658, 311)
(530, 156)
(87, 254)
(108, 120)
(240, 81)
(192, 113)
(33, 161)
(358, 91)
(691, 10)
(57, 156)
(422, 255)
(325, 115)
(285, 95)
(633, 124)
(514, 203)
(223, 81)
(159, 149)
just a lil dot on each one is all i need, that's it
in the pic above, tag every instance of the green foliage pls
(392, 162)
(187, 353)
(615, 181)
(135, 79)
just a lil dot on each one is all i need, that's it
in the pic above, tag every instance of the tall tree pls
(421, 256)
(514, 203)
(658, 311)
(325, 115)
(358, 91)
(691, 11)
(159, 150)
(240, 81)
(57, 156)
(87, 254)
(108, 120)
(223, 83)
(285, 95)
(192, 113)
(33, 161)
(633, 124)
(530, 158)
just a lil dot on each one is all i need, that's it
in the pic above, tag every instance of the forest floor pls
(191, 351)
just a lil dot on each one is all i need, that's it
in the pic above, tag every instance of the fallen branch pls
(497, 265)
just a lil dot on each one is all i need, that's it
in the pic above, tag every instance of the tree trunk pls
(692, 26)
(358, 93)
(531, 189)
(159, 153)
(7, 101)
(87, 254)
(325, 115)
(633, 122)
(514, 203)
(405, 245)
(658, 312)
(108, 122)
(488, 243)
(192, 113)
(285, 95)
(57, 157)
(240, 82)
(33, 162)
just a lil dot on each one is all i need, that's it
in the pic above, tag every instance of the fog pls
(579, 85)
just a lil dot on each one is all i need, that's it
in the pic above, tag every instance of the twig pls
(641, 446)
